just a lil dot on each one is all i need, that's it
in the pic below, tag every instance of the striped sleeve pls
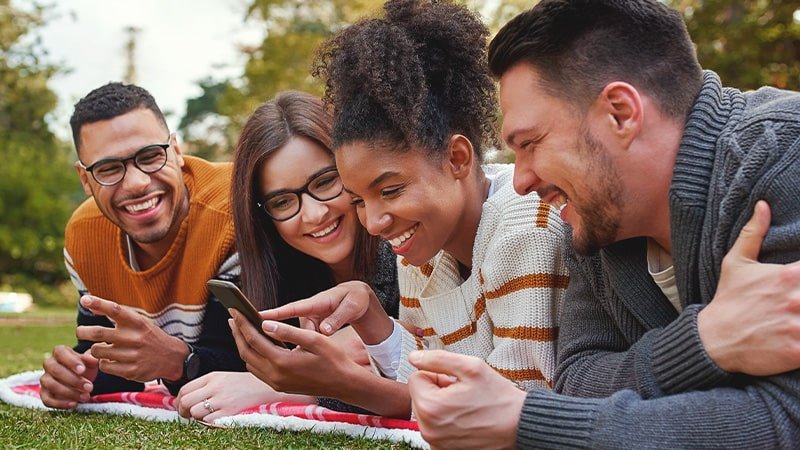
(523, 278)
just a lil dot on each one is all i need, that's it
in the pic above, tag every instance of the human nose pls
(374, 219)
(134, 177)
(313, 210)
(525, 179)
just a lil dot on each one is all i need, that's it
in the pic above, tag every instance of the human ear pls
(178, 152)
(84, 176)
(621, 106)
(460, 156)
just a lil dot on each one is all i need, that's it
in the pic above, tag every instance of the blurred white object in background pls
(15, 302)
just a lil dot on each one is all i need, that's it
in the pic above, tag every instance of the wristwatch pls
(191, 365)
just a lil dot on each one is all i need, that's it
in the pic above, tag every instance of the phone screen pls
(230, 296)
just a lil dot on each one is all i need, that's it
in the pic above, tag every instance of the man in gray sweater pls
(681, 324)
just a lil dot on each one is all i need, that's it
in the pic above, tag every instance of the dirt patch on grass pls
(7, 321)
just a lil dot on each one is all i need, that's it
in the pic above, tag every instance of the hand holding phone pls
(230, 296)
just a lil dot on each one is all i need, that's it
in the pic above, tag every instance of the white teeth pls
(328, 230)
(398, 241)
(142, 206)
(559, 202)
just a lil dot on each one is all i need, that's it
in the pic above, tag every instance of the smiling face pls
(405, 198)
(147, 207)
(325, 230)
(559, 157)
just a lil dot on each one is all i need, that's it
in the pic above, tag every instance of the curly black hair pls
(109, 101)
(411, 79)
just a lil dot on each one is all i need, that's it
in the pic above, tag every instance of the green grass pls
(26, 339)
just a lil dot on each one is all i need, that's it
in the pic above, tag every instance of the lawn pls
(25, 340)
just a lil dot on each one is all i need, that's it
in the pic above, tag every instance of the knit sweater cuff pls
(408, 345)
(680, 362)
(550, 420)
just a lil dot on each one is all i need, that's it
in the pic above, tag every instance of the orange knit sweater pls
(96, 253)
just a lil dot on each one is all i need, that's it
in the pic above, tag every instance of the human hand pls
(461, 402)
(352, 346)
(67, 379)
(752, 325)
(220, 394)
(316, 366)
(351, 302)
(135, 349)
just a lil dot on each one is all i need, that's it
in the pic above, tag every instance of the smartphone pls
(230, 296)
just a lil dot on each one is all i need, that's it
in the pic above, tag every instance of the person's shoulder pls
(514, 212)
(773, 104)
(87, 223)
(86, 212)
(209, 183)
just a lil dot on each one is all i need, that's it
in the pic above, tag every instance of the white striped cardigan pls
(506, 311)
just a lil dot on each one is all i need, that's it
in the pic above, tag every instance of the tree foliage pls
(282, 61)
(38, 189)
(750, 43)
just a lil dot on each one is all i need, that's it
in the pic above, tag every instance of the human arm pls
(317, 366)
(351, 302)
(480, 409)
(228, 393)
(523, 279)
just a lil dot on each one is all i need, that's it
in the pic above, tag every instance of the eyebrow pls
(382, 177)
(311, 177)
(375, 182)
(512, 138)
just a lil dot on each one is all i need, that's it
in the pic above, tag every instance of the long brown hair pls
(273, 272)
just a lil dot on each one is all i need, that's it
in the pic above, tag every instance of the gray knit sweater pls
(632, 373)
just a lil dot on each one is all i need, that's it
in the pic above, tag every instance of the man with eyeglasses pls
(158, 227)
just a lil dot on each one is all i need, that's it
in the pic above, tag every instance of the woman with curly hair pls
(479, 267)
(297, 234)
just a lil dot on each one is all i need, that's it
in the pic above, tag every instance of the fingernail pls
(80, 368)
(326, 327)
(87, 387)
(84, 397)
(86, 300)
(415, 356)
(230, 323)
(269, 326)
(419, 332)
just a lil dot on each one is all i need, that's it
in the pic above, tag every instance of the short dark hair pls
(411, 79)
(109, 101)
(579, 46)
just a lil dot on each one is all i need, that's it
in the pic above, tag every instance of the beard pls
(600, 211)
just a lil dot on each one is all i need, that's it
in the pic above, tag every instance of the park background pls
(239, 54)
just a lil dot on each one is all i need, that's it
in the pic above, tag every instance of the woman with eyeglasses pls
(297, 234)
(481, 269)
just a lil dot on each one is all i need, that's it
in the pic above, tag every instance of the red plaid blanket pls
(156, 396)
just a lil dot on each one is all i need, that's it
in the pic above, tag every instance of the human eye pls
(358, 202)
(325, 181)
(281, 203)
(108, 168)
(392, 191)
(149, 155)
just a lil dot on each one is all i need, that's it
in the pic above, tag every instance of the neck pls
(651, 168)
(461, 243)
(343, 270)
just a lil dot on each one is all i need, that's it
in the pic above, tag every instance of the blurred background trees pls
(38, 189)
(748, 42)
